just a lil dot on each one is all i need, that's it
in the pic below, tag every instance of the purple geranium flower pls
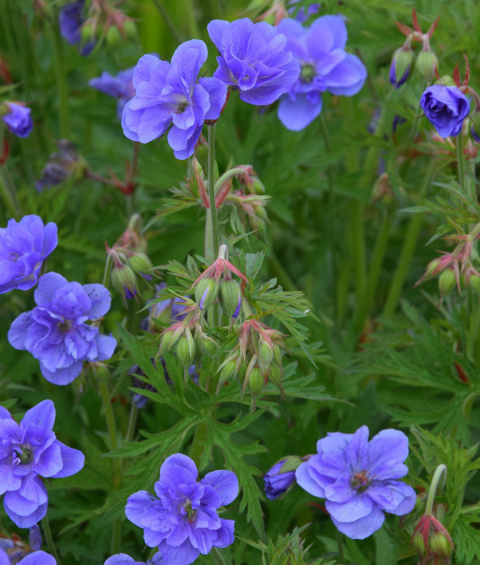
(320, 50)
(183, 521)
(254, 59)
(123, 559)
(358, 479)
(119, 86)
(28, 451)
(71, 21)
(36, 558)
(167, 95)
(24, 245)
(446, 107)
(56, 333)
(276, 483)
(18, 119)
(305, 11)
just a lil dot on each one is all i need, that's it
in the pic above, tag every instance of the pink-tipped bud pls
(206, 291)
(446, 282)
(231, 297)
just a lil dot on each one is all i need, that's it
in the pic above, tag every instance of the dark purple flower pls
(254, 59)
(36, 558)
(475, 136)
(55, 331)
(325, 65)
(28, 451)
(119, 86)
(24, 245)
(18, 119)
(61, 165)
(276, 483)
(358, 479)
(305, 11)
(169, 98)
(446, 107)
(70, 21)
(183, 521)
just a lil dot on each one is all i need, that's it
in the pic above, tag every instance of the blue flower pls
(56, 333)
(358, 479)
(305, 11)
(36, 558)
(119, 86)
(18, 119)
(28, 451)
(123, 559)
(276, 483)
(169, 98)
(254, 59)
(320, 50)
(71, 21)
(24, 245)
(446, 107)
(183, 521)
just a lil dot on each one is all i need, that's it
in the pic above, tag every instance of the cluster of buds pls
(16, 549)
(217, 282)
(105, 21)
(456, 267)
(403, 61)
(255, 360)
(432, 541)
(130, 260)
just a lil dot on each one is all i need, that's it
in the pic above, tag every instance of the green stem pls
(189, 15)
(341, 556)
(358, 244)
(407, 252)
(48, 537)
(331, 210)
(374, 273)
(168, 22)
(108, 271)
(226, 175)
(461, 161)
(61, 76)
(438, 482)
(197, 449)
(211, 191)
(132, 422)
(217, 557)
(8, 192)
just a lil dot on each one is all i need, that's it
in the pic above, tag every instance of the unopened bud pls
(440, 545)
(476, 126)
(186, 349)
(258, 185)
(265, 357)
(141, 264)
(201, 152)
(401, 67)
(209, 346)
(255, 382)
(230, 296)
(206, 292)
(275, 376)
(474, 283)
(446, 81)
(113, 36)
(446, 282)
(169, 339)
(426, 64)
(227, 372)
(86, 32)
(124, 281)
(260, 212)
(130, 28)
(419, 544)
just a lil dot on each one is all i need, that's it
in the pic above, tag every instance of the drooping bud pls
(206, 291)
(474, 282)
(141, 264)
(230, 296)
(265, 356)
(170, 338)
(475, 129)
(426, 64)
(113, 36)
(419, 544)
(186, 349)
(130, 28)
(281, 477)
(275, 376)
(124, 281)
(440, 545)
(446, 282)
(401, 67)
(227, 372)
(255, 382)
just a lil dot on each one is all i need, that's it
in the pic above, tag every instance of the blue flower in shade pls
(36, 558)
(276, 483)
(24, 245)
(446, 107)
(254, 59)
(305, 11)
(169, 98)
(358, 479)
(56, 332)
(119, 86)
(18, 119)
(71, 21)
(325, 65)
(28, 451)
(123, 559)
(183, 521)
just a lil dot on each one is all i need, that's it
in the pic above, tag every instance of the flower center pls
(182, 107)
(13, 257)
(360, 481)
(64, 326)
(191, 513)
(308, 72)
(24, 455)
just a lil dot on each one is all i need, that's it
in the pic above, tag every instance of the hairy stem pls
(461, 161)
(212, 211)
(438, 482)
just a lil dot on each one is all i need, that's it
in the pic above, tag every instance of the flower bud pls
(476, 126)
(426, 64)
(186, 349)
(206, 292)
(86, 32)
(169, 338)
(141, 264)
(209, 346)
(402, 64)
(281, 477)
(113, 36)
(440, 545)
(419, 544)
(446, 81)
(446, 282)
(275, 376)
(255, 382)
(124, 281)
(230, 296)
(227, 372)
(474, 282)
(265, 357)
(130, 28)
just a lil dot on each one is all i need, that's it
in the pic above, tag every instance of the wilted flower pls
(358, 479)
(446, 107)
(36, 558)
(280, 477)
(55, 331)
(119, 86)
(28, 451)
(61, 165)
(16, 116)
(24, 245)
(254, 59)
(168, 97)
(71, 21)
(183, 521)
(325, 65)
